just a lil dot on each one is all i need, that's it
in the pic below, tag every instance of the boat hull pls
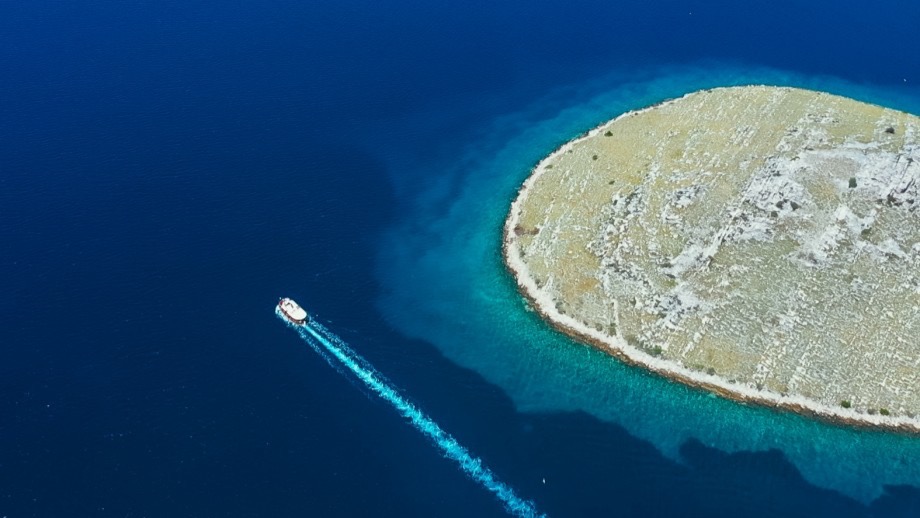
(293, 312)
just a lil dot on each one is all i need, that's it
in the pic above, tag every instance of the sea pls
(169, 169)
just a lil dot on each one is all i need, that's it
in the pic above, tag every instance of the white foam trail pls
(313, 345)
(472, 466)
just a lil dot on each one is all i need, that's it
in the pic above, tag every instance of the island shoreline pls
(616, 346)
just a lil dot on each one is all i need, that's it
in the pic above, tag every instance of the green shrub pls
(884, 411)
(845, 404)
(852, 183)
(608, 133)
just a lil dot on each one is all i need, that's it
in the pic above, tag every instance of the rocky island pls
(759, 242)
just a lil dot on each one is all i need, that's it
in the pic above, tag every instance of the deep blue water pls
(168, 169)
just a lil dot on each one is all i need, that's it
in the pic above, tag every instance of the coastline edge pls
(617, 347)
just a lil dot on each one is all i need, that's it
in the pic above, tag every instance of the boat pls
(292, 311)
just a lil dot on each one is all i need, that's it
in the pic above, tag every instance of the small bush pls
(655, 351)
(845, 404)
(711, 371)
(852, 183)
(884, 411)
(608, 133)
(594, 157)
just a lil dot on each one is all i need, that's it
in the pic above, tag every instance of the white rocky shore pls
(759, 242)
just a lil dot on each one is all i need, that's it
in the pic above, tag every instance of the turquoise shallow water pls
(154, 155)
(445, 283)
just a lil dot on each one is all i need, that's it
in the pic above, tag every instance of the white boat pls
(292, 311)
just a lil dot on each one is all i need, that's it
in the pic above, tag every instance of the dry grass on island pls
(759, 242)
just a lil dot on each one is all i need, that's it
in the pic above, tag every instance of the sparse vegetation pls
(639, 254)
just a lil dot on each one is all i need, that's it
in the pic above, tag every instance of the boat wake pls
(332, 348)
